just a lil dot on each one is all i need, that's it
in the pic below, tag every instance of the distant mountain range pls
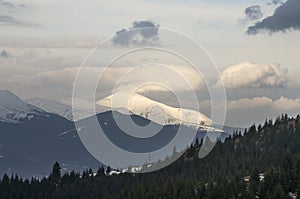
(52, 107)
(14, 110)
(36, 133)
(138, 105)
(58, 108)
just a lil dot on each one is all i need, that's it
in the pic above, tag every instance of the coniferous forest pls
(262, 162)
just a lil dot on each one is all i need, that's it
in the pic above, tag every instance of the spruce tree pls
(55, 175)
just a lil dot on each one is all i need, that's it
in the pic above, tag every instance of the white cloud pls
(294, 80)
(50, 73)
(284, 103)
(154, 77)
(246, 111)
(250, 103)
(250, 75)
(281, 104)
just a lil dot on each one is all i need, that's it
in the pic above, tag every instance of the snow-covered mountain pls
(45, 137)
(13, 109)
(34, 138)
(60, 109)
(52, 107)
(156, 111)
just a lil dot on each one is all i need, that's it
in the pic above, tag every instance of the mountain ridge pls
(156, 111)
(52, 107)
(13, 109)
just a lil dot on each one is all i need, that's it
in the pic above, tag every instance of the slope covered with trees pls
(262, 162)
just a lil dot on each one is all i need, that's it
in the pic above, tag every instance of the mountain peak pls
(51, 106)
(13, 109)
(6, 92)
(155, 111)
(10, 100)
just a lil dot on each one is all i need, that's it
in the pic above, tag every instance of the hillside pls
(263, 163)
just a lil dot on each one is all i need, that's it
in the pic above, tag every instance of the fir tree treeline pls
(262, 162)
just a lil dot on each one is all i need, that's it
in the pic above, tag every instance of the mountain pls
(51, 106)
(61, 109)
(126, 141)
(157, 112)
(34, 138)
(36, 143)
(14, 110)
(140, 105)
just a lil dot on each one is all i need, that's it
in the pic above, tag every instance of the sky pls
(254, 44)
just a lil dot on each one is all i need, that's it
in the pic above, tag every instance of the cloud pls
(286, 17)
(253, 13)
(140, 33)
(287, 104)
(250, 75)
(32, 72)
(282, 104)
(243, 112)
(7, 8)
(146, 33)
(246, 111)
(275, 2)
(249, 103)
(6, 20)
(294, 80)
(127, 78)
(7, 4)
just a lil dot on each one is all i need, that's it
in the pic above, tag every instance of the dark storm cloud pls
(253, 12)
(123, 37)
(286, 17)
(151, 30)
(140, 33)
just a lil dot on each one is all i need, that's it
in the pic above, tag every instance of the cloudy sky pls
(255, 45)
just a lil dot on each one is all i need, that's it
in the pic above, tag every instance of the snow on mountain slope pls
(156, 111)
(13, 109)
(52, 107)
(61, 109)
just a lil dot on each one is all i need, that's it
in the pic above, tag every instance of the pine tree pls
(108, 170)
(100, 171)
(55, 175)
